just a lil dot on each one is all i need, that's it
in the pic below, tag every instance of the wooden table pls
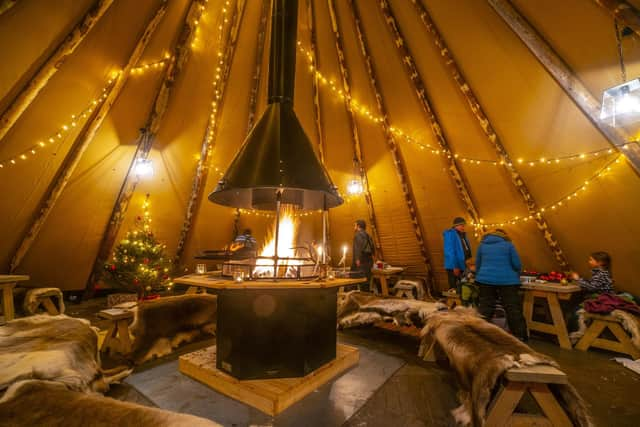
(552, 293)
(8, 282)
(382, 274)
(214, 281)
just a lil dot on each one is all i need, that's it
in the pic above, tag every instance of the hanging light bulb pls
(143, 167)
(354, 187)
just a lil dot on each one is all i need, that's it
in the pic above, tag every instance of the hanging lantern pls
(621, 104)
(143, 167)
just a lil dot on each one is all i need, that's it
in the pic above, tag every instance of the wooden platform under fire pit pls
(270, 396)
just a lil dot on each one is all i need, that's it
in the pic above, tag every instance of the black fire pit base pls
(275, 333)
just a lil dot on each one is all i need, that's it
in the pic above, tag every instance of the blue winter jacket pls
(453, 250)
(497, 262)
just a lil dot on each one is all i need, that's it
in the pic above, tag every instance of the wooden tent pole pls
(566, 78)
(355, 136)
(255, 80)
(211, 132)
(398, 160)
(81, 143)
(5, 5)
(181, 53)
(311, 17)
(487, 128)
(623, 12)
(414, 76)
(51, 66)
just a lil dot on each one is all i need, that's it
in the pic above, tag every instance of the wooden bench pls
(37, 297)
(532, 379)
(453, 299)
(117, 338)
(599, 323)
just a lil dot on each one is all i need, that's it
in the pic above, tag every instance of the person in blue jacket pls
(498, 275)
(457, 251)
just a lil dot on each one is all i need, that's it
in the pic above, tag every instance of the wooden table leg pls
(383, 286)
(558, 321)
(7, 301)
(123, 336)
(528, 309)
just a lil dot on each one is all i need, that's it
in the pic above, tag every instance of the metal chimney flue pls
(277, 163)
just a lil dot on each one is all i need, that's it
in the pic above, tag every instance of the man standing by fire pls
(457, 251)
(363, 251)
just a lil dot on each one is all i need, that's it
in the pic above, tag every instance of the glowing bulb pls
(143, 167)
(354, 187)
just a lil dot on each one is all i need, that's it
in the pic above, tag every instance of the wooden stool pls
(599, 323)
(453, 299)
(532, 379)
(37, 297)
(117, 338)
(405, 289)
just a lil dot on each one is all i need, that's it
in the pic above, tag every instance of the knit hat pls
(459, 221)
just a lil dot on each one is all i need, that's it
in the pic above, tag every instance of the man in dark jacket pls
(498, 275)
(363, 250)
(457, 251)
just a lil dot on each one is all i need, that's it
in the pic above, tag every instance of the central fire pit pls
(280, 256)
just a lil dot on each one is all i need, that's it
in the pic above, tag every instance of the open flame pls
(287, 238)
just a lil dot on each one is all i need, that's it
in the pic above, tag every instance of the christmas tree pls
(139, 263)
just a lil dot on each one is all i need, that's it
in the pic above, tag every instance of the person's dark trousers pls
(365, 266)
(512, 302)
(454, 282)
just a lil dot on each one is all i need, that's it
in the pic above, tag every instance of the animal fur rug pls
(161, 325)
(46, 403)
(480, 353)
(629, 322)
(55, 348)
(361, 308)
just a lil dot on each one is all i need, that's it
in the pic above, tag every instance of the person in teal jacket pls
(498, 275)
(457, 251)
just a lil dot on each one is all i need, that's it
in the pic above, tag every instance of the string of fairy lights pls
(563, 201)
(74, 120)
(60, 133)
(355, 105)
(363, 111)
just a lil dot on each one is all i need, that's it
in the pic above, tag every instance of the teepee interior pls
(149, 134)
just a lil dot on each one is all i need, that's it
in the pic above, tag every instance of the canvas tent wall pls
(529, 111)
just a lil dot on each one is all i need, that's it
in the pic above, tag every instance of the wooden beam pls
(485, 124)
(394, 149)
(255, 80)
(72, 159)
(414, 76)
(317, 114)
(51, 66)
(5, 5)
(211, 132)
(566, 78)
(181, 53)
(355, 136)
(625, 13)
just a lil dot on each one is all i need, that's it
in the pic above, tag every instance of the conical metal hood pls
(277, 160)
